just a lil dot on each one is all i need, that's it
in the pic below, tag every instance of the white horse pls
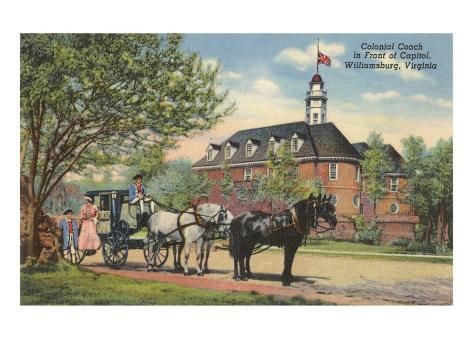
(195, 225)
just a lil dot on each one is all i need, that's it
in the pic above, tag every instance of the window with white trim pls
(394, 208)
(357, 173)
(316, 117)
(295, 144)
(247, 174)
(323, 118)
(228, 152)
(270, 172)
(272, 147)
(249, 149)
(394, 184)
(333, 171)
(209, 154)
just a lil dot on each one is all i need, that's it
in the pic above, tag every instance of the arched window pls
(356, 200)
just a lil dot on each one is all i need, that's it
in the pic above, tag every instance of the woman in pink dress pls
(88, 237)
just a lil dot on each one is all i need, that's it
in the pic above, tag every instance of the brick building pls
(320, 150)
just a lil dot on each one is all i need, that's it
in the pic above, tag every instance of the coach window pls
(247, 174)
(333, 171)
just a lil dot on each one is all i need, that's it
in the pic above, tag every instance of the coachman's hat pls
(88, 198)
(138, 176)
(67, 211)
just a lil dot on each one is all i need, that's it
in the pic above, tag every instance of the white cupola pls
(316, 102)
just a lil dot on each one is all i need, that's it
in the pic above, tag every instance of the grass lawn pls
(325, 247)
(67, 285)
(332, 245)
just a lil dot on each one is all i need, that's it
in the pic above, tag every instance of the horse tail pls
(231, 244)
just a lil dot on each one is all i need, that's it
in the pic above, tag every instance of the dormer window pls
(272, 147)
(228, 152)
(296, 143)
(249, 149)
(230, 149)
(209, 154)
(212, 151)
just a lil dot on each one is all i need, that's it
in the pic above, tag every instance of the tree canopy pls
(376, 162)
(101, 98)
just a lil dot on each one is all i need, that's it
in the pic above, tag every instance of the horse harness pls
(198, 221)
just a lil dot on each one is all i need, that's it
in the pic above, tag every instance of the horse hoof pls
(286, 283)
(149, 269)
(236, 278)
(249, 275)
(206, 271)
(186, 273)
(200, 273)
(244, 278)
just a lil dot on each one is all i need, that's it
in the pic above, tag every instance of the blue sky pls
(268, 75)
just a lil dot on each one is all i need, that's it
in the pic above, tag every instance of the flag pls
(324, 59)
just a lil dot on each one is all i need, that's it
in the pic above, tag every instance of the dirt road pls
(341, 280)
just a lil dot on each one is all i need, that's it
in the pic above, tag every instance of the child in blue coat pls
(70, 232)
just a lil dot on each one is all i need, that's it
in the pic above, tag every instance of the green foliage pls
(95, 98)
(283, 184)
(148, 161)
(367, 233)
(177, 186)
(430, 187)
(252, 191)
(226, 185)
(283, 180)
(375, 164)
(75, 287)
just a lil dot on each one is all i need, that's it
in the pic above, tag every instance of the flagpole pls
(317, 55)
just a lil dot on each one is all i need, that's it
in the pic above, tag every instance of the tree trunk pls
(32, 221)
(428, 230)
(442, 225)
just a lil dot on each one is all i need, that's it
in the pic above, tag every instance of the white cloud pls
(303, 59)
(265, 86)
(380, 96)
(233, 75)
(441, 103)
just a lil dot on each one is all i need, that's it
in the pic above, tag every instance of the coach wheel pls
(115, 249)
(161, 251)
(74, 258)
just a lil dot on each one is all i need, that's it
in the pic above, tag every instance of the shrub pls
(367, 233)
(402, 242)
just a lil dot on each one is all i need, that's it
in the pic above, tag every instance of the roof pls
(215, 146)
(396, 158)
(316, 79)
(322, 140)
(98, 192)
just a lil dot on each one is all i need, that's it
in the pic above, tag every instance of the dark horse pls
(286, 229)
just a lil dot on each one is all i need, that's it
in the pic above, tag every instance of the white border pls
(237, 330)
